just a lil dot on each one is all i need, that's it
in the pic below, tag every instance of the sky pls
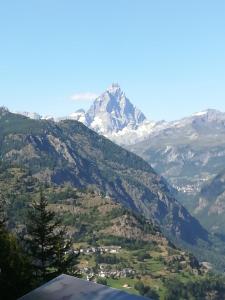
(167, 56)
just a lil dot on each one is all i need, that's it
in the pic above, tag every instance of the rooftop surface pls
(65, 287)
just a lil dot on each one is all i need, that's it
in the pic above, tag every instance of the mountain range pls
(188, 155)
(188, 152)
(69, 152)
(113, 115)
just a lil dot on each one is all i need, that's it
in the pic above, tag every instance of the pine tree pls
(47, 243)
(65, 258)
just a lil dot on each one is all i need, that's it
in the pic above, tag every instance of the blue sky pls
(168, 56)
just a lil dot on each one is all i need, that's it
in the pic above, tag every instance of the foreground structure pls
(71, 288)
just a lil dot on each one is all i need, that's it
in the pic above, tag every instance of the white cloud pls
(84, 96)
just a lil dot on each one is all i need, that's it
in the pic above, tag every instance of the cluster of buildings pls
(189, 188)
(102, 270)
(124, 273)
(100, 250)
(91, 275)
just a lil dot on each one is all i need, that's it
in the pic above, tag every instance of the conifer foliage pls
(47, 242)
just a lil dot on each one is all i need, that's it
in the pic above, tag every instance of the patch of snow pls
(31, 115)
(200, 113)
(48, 118)
(79, 115)
(98, 124)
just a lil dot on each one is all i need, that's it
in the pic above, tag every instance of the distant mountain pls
(188, 152)
(31, 115)
(69, 152)
(34, 115)
(112, 114)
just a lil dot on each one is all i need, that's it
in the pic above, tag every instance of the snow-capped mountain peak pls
(114, 116)
(112, 112)
(114, 88)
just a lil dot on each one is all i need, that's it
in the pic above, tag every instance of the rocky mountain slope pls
(69, 152)
(188, 152)
(210, 204)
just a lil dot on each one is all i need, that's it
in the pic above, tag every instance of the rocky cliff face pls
(111, 113)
